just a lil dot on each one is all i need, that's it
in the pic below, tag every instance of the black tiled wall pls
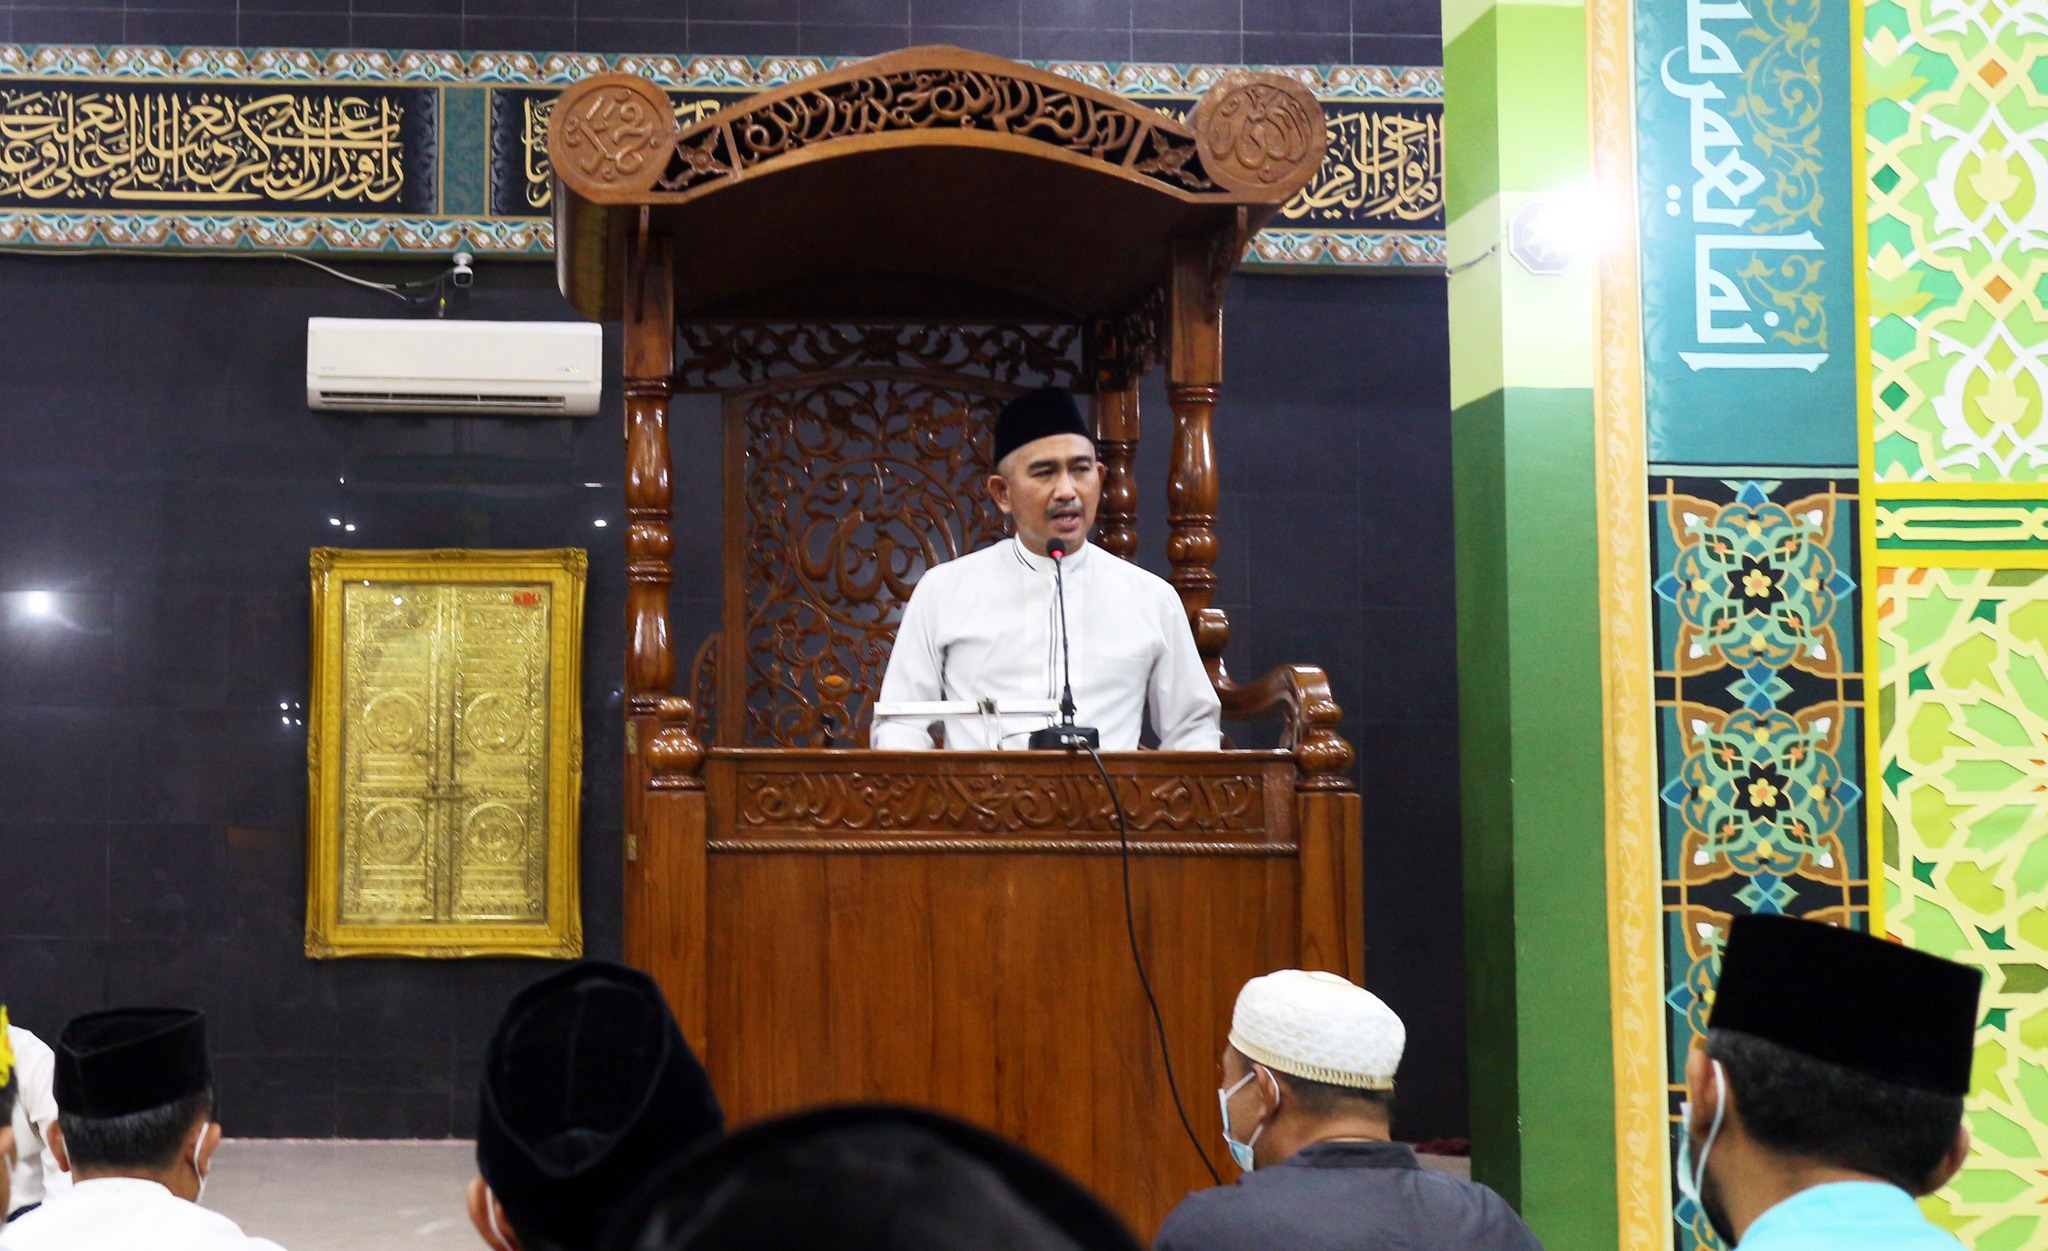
(1395, 32)
(160, 473)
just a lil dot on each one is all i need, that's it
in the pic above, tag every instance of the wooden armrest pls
(1299, 697)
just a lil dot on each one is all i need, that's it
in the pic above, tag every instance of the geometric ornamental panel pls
(1760, 722)
(1964, 715)
(1957, 160)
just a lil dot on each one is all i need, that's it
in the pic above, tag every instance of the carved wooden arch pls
(1251, 142)
(1252, 133)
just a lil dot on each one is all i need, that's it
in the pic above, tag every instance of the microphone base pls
(1066, 738)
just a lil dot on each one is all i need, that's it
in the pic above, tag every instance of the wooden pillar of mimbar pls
(1529, 641)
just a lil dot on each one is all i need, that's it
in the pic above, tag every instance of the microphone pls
(1066, 735)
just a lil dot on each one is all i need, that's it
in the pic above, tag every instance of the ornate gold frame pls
(559, 935)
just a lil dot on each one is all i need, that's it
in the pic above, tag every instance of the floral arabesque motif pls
(1755, 584)
(1764, 789)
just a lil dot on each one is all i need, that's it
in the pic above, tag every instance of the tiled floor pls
(347, 1196)
(310, 1195)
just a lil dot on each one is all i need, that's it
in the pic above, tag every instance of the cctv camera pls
(460, 272)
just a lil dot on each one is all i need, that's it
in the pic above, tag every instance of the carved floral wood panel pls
(853, 488)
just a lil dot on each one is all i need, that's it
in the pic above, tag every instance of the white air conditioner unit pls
(505, 368)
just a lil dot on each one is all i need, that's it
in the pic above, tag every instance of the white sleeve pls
(916, 672)
(1185, 711)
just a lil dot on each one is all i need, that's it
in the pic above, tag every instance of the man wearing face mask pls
(1308, 1084)
(1829, 1092)
(134, 1126)
(986, 626)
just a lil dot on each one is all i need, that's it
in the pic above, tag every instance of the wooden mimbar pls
(865, 264)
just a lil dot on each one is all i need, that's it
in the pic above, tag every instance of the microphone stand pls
(1066, 735)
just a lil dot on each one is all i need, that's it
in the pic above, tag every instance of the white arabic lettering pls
(1723, 179)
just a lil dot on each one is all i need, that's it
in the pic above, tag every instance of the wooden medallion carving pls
(610, 133)
(853, 489)
(838, 804)
(1116, 132)
(723, 356)
(1259, 133)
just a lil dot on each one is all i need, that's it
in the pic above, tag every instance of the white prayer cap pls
(1318, 1026)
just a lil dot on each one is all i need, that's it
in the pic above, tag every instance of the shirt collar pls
(1837, 1204)
(1353, 1155)
(1043, 564)
(142, 1187)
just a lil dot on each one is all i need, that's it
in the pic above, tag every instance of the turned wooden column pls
(1194, 381)
(650, 357)
(1116, 443)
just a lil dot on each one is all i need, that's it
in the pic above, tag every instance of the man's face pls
(1049, 488)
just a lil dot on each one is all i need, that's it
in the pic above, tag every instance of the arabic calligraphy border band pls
(1403, 231)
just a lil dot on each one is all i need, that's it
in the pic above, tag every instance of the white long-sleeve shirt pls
(984, 627)
(125, 1214)
(36, 1176)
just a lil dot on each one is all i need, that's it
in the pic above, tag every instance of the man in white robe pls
(986, 626)
(134, 1126)
(36, 1176)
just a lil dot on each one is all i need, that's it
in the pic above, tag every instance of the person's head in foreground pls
(865, 1178)
(1047, 480)
(588, 1085)
(1830, 1056)
(6, 1114)
(135, 1098)
(1307, 1095)
(1311, 1057)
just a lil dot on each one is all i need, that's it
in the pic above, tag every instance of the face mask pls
(1692, 1177)
(196, 1170)
(1239, 1151)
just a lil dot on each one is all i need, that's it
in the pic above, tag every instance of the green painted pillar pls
(1522, 370)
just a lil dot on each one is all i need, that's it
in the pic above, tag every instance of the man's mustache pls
(1064, 510)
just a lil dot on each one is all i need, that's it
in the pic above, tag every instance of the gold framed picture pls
(445, 753)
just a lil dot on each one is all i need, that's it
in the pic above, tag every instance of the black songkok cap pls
(129, 1060)
(865, 1178)
(588, 1086)
(1868, 1005)
(1035, 415)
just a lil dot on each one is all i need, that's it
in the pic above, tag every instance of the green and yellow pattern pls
(1956, 142)
(1964, 716)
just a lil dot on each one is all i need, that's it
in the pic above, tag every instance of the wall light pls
(39, 604)
(1553, 231)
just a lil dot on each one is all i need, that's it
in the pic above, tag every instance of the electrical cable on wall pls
(424, 293)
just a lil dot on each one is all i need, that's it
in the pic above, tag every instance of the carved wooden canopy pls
(932, 183)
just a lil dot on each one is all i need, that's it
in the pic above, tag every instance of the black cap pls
(1868, 1005)
(865, 1178)
(128, 1060)
(1036, 415)
(588, 1085)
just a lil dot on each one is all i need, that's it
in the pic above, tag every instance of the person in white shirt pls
(35, 1175)
(986, 626)
(134, 1126)
(6, 1114)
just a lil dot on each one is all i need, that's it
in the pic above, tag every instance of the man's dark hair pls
(1800, 1106)
(1329, 1099)
(140, 1140)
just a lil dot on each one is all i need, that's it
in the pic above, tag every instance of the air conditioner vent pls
(483, 368)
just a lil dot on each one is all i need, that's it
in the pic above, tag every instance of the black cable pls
(1066, 657)
(1123, 832)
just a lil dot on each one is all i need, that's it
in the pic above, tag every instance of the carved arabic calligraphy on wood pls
(836, 804)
